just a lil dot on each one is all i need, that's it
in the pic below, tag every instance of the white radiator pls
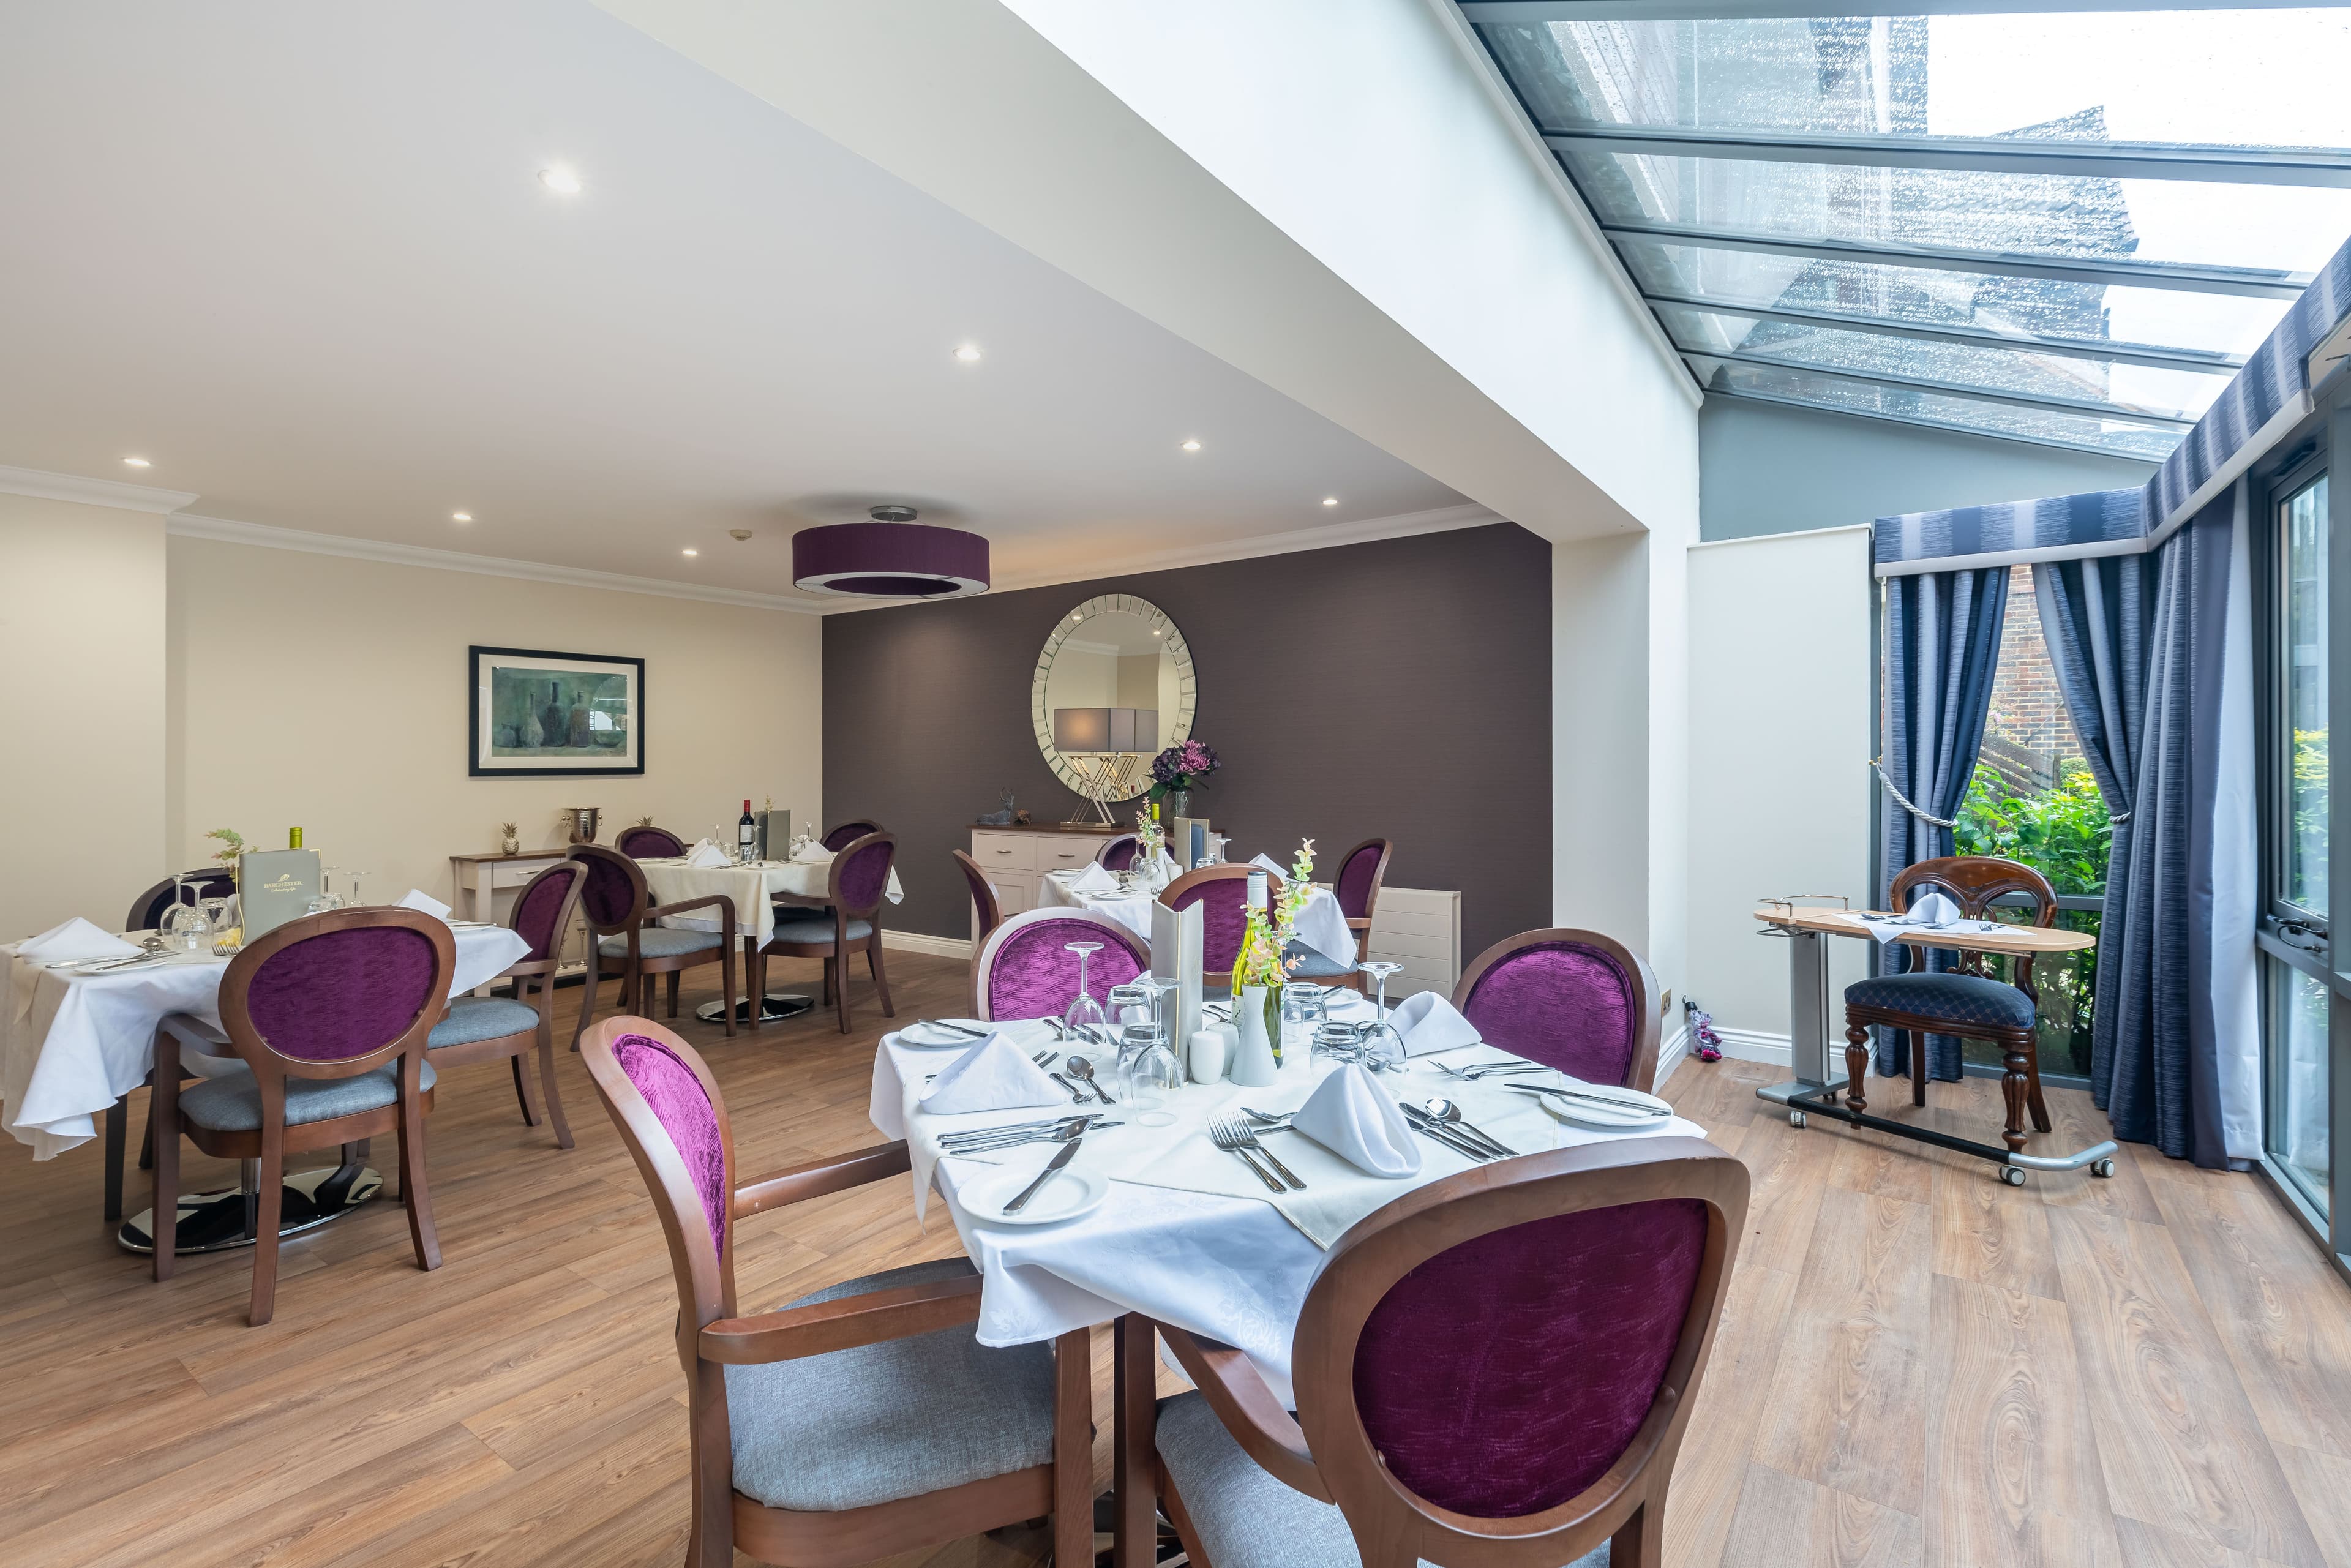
(1420, 929)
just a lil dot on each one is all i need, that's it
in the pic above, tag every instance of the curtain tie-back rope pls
(1905, 803)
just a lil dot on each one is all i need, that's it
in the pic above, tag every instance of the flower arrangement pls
(1182, 765)
(1150, 837)
(1264, 958)
(232, 844)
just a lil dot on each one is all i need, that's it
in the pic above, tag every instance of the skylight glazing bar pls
(1949, 427)
(1953, 389)
(2086, 348)
(1993, 155)
(2260, 282)
(1488, 13)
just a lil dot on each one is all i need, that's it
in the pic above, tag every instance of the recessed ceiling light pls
(1329, 500)
(461, 516)
(1191, 447)
(562, 181)
(969, 354)
(134, 463)
(693, 553)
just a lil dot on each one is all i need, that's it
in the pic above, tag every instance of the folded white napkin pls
(1428, 1022)
(812, 854)
(1093, 878)
(76, 939)
(1266, 863)
(1928, 913)
(1351, 1115)
(705, 855)
(993, 1075)
(417, 898)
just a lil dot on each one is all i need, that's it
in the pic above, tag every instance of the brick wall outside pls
(2028, 736)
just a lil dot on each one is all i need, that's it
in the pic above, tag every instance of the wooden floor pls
(1918, 1366)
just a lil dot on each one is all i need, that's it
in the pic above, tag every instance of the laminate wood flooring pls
(1918, 1366)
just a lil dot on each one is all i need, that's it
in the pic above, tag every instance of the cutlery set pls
(1017, 1132)
(1237, 1137)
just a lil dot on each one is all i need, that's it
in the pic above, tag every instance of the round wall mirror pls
(1114, 687)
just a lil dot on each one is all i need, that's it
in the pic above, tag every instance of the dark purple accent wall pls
(1398, 689)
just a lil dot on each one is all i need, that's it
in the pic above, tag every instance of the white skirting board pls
(915, 942)
(1672, 1051)
(1752, 1045)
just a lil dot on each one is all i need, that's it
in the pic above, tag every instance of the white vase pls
(1207, 1055)
(1253, 1066)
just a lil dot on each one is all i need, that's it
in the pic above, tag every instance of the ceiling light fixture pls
(1191, 447)
(1329, 500)
(693, 552)
(562, 181)
(894, 557)
(969, 354)
(461, 516)
(134, 463)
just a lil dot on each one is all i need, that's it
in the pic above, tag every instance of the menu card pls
(1187, 840)
(1176, 949)
(274, 886)
(772, 834)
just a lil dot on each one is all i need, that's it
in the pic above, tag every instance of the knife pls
(1069, 1152)
(1444, 1134)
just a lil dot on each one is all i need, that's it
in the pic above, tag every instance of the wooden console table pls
(480, 879)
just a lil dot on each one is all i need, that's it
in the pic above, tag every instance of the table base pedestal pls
(218, 1222)
(774, 1007)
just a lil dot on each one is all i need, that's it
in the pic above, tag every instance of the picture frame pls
(533, 713)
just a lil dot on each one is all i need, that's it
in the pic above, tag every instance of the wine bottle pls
(746, 833)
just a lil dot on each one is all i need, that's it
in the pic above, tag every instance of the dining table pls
(754, 887)
(1322, 924)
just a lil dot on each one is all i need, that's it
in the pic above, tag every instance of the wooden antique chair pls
(485, 1029)
(1494, 1371)
(846, 920)
(621, 922)
(1118, 853)
(1024, 971)
(837, 839)
(862, 1420)
(1964, 1001)
(985, 906)
(1576, 1000)
(147, 915)
(1361, 870)
(328, 1014)
(644, 842)
(1222, 893)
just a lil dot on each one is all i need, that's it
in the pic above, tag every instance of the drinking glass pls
(1335, 1044)
(1383, 1046)
(1129, 1003)
(1304, 1008)
(1085, 1017)
(184, 927)
(1152, 1083)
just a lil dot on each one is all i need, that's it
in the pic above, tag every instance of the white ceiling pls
(298, 257)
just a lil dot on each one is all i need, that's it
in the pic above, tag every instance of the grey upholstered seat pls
(889, 1420)
(1959, 999)
(232, 1104)
(482, 1017)
(659, 941)
(1314, 966)
(817, 929)
(1244, 1517)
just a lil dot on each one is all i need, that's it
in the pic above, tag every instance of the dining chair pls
(620, 915)
(644, 842)
(1222, 893)
(485, 1028)
(984, 903)
(329, 1015)
(1024, 971)
(1965, 1001)
(1361, 870)
(146, 914)
(1494, 1370)
(1118, 853)
(847, 833)
(849, 921)
(859, 1421)
(1576, 1000)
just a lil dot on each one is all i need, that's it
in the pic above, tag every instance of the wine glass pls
(1153, 1079)
(1383, 1046)
(1085, 1017)
(185, 928)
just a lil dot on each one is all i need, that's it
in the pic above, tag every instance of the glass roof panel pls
(2285, 228)
(2123, 388)
(2116, 436)
(2242, 78)
(1932, 298)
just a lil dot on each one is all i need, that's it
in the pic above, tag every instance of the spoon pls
(1084, 1071)
(1060, 1027)
(1442, 1110)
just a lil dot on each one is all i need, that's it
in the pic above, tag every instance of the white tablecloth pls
(1322, 925)
(1230, 1266)
(71, 1047)
(672, 880)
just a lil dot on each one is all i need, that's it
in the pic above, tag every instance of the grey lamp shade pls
(1134, 729)
(1099, 729)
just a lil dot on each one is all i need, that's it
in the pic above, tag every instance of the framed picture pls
(535, 714)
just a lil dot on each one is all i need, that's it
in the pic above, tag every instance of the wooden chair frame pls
(711, 1335)
(983, 965)
(1974, 883)
(622, 837)
(632, 966)
(984, 901)
(1649, 1002)
(275, 1139)
(1102, 855)
(533, 981)
(855, 832)
(1202, 876)
(1324, 1452)
(836, 951)
(1361, 924)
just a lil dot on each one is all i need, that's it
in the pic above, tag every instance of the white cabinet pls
(1013, 859)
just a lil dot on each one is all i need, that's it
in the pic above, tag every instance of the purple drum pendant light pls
(893, 557)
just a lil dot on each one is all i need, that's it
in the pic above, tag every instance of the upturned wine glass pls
(1383, 1046)
(1085, 1017)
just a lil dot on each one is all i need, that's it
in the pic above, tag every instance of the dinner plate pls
(1590, 1114)
(1071, 1193)
(929, 1037)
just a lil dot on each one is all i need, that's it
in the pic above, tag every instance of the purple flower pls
(1184, 766)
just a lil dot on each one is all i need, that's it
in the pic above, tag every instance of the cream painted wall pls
(81, 636)
(342, 710)
(1780, 742)
(1601, 758)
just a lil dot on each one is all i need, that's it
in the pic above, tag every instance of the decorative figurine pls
(1004, 818)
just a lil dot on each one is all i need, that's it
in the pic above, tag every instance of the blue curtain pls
(1942, 643)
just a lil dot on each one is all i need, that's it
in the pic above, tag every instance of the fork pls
(1247, 1135)
(1223, 1135)
(1044, 1058)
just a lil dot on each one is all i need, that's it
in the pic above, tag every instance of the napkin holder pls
(1187, 840)
(274, 886)
(1177, 945)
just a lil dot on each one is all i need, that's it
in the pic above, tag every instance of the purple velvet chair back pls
(539, 913)
(860, 873)
(841, 837)
(614, 896)
(1575, 1000)
(1222, 893)
(646, 841)
(148, 908)
(1023, 971)
(1359, 878)
(336, 989)
(1498, 1344)
(1119, 853)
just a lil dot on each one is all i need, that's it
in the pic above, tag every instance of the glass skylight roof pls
(2067, 227)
